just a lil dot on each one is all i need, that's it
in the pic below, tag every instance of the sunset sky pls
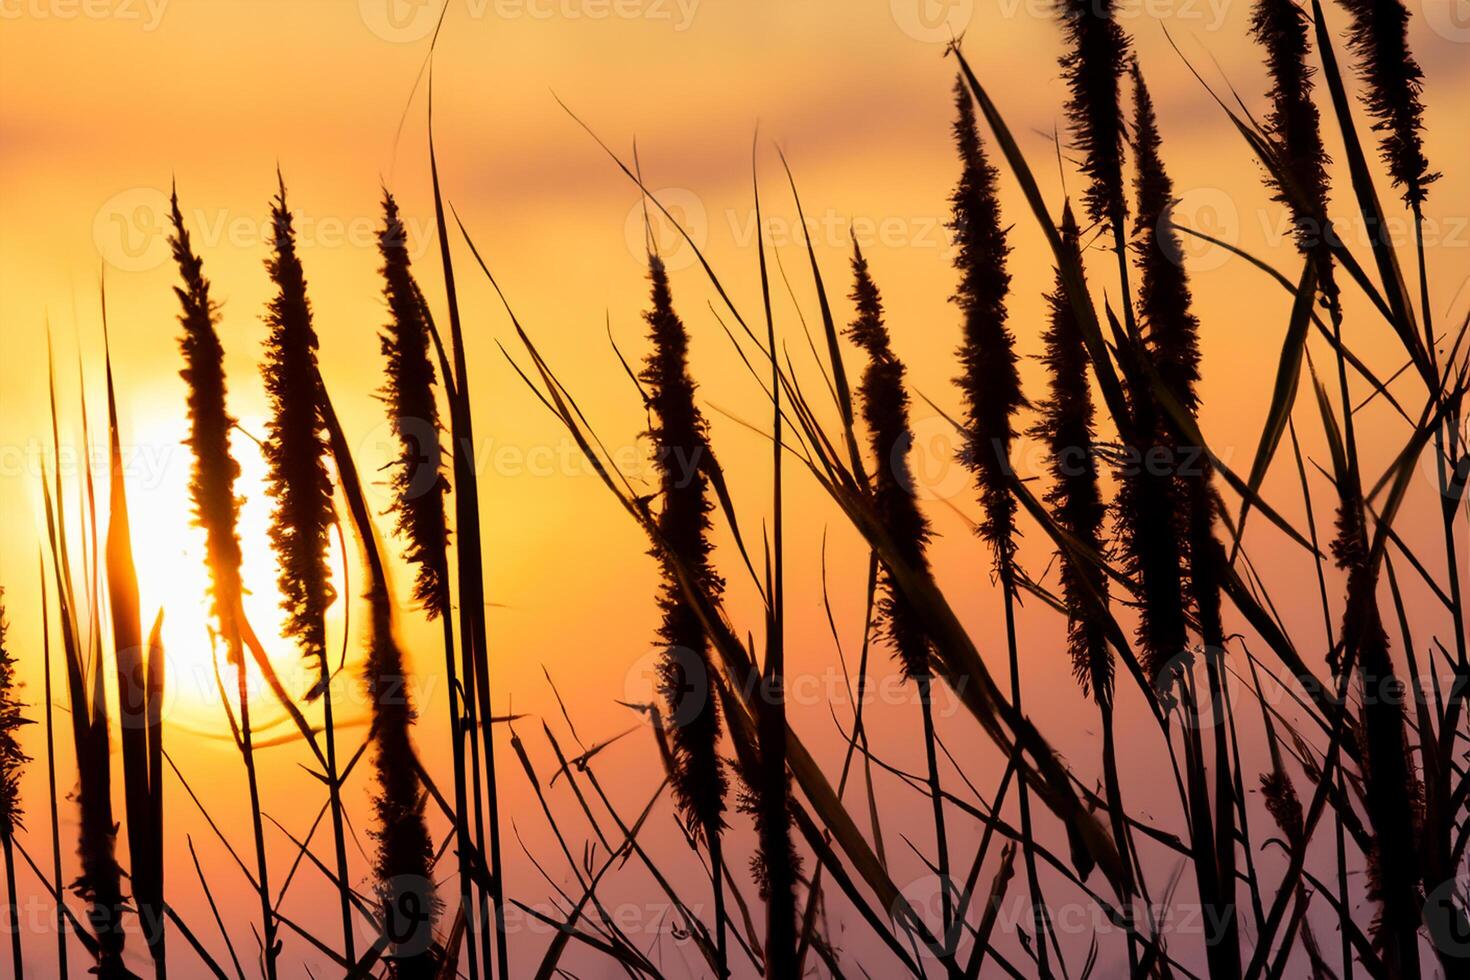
(104, 102)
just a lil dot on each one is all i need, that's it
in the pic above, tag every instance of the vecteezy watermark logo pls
(1208, 210)
(147, 13)
(932, 21)
(400, 21)
(685, 209)
(1450, 19)
(131, 229)
(1447, 917)
(935, 468)
(407, 21)
(674, 679)
(409, 905)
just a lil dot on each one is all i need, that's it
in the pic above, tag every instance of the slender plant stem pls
(1028, 841)
(59, 923)
(941, 838)
(334, 791)
(247, 750)
(12, 907)
(461, 809)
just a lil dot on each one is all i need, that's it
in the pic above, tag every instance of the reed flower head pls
(1379, 37)
(989, 380)
(1093, 68)
(295, 450)
(212, 483)
(1169, 327)
(678, 431)
(1282, 28)
(1066, 426)
(418, 481)
(885, 408)
(12, 757)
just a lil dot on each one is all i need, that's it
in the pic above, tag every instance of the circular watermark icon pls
(925, 898)
(1450, 19)
(416, 453)
(1435, 465)
(932, 21)
(647, 226)
(934, 469)
(1447, 917)
(409, 905)
(674, 679)
(400, 21)
(1208, 210)
(130, 229)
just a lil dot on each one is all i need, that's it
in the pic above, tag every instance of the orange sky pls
(102, 102)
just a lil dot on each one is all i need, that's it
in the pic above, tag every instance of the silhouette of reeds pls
(473, 635)
(1391, 779)
(301, 522)
(1149, 528)
(1093, 68)
(419, 491)
(1294, 122)
(12, 760)
(99, 882)
(777, 864)
(1066, 421)
(1171, 332)
(57, 884)
(140, 687)
(991, 387)
(217, 511)
(1379, 37)
(1066, 425)
(885, 411)
(408, 902)
(686, 677)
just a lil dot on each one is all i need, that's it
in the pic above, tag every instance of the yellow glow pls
(169, 551)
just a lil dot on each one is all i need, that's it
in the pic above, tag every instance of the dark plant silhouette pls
(990, 384)
(301, 524)
(419, 491)
(1294, 122)
(885, 410)
(1170, 333)
(418, 482)
(1093, 66)
(217, 511)
(686, 674)
(1066, 423)
(12, 760)
(989, 380)
(1379, 37)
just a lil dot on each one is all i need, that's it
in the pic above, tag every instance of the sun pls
(173, 576)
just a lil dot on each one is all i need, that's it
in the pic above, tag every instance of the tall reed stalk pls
(217, 511)
(473, 633)
(12, 761)
(419, 491)
(686, 674)
(1066, 425)
(885, 411)
(777, 864)
(1093, 68)
(991, 386)
(58, 921)
(99, 883)
(301, 522)
(1171, 333)
(140, 690)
